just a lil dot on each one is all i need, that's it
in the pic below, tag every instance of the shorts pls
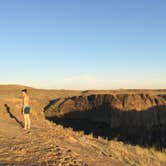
(27, 110)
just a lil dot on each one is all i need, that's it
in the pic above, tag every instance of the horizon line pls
(113, 89)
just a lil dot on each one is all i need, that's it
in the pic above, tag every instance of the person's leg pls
(28, 121)
(25, 122)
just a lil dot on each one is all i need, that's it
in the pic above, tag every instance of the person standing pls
(26, 109)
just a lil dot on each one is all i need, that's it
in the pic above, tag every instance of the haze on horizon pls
(96, 44)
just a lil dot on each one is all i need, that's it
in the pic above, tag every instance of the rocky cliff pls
(134, 118)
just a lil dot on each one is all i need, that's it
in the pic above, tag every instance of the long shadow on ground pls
(8, 110)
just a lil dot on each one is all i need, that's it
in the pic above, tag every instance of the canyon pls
(132, 118)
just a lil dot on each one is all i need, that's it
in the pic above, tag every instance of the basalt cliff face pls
(135, 118)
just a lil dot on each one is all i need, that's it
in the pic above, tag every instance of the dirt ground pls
(45, 144)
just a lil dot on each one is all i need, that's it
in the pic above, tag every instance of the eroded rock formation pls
(135, 118)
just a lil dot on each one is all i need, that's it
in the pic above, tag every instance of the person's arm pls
(22, 106)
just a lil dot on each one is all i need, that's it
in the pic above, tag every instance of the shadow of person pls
(12, 115)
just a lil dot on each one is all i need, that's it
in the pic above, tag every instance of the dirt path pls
(19, 147)
(45, 144)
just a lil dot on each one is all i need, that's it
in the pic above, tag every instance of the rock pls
(139, 117)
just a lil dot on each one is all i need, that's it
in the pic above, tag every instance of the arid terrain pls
(79, 128)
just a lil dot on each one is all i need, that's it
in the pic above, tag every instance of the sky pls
(83, 44)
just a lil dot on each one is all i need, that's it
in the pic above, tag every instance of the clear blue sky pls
(83, 44)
